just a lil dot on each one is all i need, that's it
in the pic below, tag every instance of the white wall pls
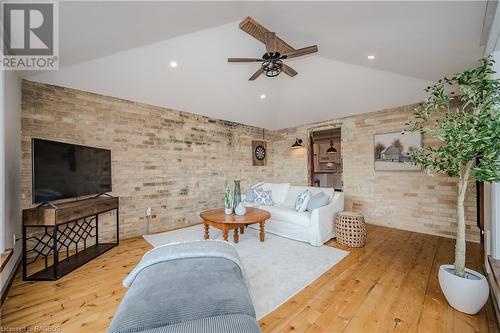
(12, 156)
(2, 161)
(11, 169)
(324, 89)
(493, 206)
(495, 219)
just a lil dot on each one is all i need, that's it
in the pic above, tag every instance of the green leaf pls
(467, 126)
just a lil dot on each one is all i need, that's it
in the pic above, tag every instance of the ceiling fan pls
(276, 51)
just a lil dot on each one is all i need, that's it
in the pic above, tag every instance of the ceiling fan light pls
(272, 68)
(276, 51)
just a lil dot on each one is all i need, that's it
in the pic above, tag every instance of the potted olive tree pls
(463, 114)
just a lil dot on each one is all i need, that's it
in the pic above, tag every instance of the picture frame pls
(391, 151)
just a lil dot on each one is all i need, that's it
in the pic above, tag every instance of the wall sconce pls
(332, 149)
(297, 144)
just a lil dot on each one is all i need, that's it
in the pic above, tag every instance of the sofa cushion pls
(249, 196)
(294, 192)
(278, 191)
(289, 215)
(257, 185)
(302, 201)
(318, 200)
(326, 190)
(263, 197)
(292, 195)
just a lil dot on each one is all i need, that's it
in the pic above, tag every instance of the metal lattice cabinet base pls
(57, 239)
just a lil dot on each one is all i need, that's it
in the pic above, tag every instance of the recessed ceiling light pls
(262, 96)
(371, 57)
(173, 64)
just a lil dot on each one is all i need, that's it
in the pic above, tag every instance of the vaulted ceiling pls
(123, 49)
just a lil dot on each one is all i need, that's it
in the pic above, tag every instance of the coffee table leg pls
(206, 230)
(262, 234)
(242, 230)
(225, 232)
(236, 238)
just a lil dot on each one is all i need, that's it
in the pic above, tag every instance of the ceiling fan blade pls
(288, 70)
(301, 52)
(244, 60)
(258, 31)
(270, 38)
(256, 74)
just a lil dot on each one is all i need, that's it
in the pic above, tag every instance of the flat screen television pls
(62, 170)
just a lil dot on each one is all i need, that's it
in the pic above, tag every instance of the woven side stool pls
(350, 229)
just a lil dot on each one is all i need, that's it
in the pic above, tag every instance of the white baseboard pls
(9, 271)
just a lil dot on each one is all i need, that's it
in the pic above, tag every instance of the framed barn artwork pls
(392, 151)
(259, 153)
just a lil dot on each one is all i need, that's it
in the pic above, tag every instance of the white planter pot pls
(467, 294)
(228, 211)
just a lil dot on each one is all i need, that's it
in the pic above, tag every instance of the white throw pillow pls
(302, 201)
(263, 197)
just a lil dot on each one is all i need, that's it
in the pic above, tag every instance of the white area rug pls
(277, 269)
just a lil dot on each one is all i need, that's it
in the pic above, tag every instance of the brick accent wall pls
(177, 162)
(405, 200)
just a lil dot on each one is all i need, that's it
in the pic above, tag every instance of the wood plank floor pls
(389, 285)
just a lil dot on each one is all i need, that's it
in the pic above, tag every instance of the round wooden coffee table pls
(217, 219)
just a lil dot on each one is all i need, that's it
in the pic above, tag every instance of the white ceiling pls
(126, 50)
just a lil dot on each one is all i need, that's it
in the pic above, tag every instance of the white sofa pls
(314, 227)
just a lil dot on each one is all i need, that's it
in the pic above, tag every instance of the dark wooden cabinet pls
(60, 238)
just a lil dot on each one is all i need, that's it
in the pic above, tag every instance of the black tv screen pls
(62, 170)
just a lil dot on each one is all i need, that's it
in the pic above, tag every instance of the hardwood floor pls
(389, 285)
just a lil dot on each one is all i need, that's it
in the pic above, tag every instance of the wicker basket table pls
(350, 229)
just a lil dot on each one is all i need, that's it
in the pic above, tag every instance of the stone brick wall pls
(405, 200)
(175, 162)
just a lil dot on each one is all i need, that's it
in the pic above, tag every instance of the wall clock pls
(259, 152)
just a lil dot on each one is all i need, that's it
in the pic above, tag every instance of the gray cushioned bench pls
(185, 288)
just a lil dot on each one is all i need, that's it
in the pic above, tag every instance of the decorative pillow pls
(278, 190)
(318, 200)
(263, 197)
(250, 195)
(302, 201)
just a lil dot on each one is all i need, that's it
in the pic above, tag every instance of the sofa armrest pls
(323, 219)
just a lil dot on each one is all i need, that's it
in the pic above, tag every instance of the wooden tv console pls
(69, 230)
